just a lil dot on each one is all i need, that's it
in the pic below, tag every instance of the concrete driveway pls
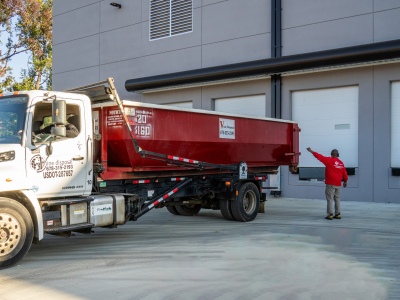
(291, 252)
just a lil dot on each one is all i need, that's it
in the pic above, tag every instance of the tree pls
(28, 27)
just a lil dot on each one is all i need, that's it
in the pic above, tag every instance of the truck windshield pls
(12, 118)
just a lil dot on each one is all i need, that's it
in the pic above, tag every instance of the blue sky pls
(18, 62)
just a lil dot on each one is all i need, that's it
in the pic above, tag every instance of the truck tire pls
(172, 210)
(226, 209)
(16, 232)
(245, 207)
(186, 210)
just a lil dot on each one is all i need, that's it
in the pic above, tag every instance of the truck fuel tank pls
(106, 210)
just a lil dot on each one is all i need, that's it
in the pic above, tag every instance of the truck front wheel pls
(16, 232)
(247, 203)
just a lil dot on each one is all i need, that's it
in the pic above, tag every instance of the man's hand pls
(344, 184)
(309, 149)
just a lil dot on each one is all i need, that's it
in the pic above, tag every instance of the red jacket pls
(335, 170)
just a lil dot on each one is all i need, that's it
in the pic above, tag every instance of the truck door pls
(58, 166)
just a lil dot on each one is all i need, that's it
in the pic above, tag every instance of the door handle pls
(78, 158)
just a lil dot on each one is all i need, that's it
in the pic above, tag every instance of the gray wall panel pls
(360, 185)
(114, 48)
(304, 12)
(120, 71)
(176, 42)
(77, 54)
(384, 24)
(328, 35)
(145, 10)
(112, 17)
(238, 50)
(211, 2)
(75, 78)
(386, 4)
(169, 62)
(76, 24)
(234, 19)
(62, 6)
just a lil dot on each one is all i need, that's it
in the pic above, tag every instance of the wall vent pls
(170, 17)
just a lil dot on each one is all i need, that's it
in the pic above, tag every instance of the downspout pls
(276, 51)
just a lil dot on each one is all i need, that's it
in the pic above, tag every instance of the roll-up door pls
(395, 125)
(248, 105)
(328, 119)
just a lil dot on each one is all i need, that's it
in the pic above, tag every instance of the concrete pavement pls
(290, 252)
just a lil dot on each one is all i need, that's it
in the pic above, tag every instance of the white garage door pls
(248, 105)
(395, 131)
(328, 119)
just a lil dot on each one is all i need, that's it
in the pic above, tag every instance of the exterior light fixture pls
(116, 4)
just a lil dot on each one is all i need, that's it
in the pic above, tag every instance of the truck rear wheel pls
(247, 203)
(172, 210)
(16, 232)
(188, 210)
(226, 209)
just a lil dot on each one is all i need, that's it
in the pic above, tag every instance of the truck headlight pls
(10, 155)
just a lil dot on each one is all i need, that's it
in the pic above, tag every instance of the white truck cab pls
(38, 163)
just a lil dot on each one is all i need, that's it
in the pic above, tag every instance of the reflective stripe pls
(178, 179)
(140, 181)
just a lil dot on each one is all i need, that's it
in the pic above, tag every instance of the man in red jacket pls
(335, 172)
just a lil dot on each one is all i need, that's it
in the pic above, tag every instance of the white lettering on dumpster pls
(142, 122)
(114, 118)
(226, 129)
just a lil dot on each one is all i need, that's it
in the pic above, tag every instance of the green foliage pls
(27, 24)
(8, 123)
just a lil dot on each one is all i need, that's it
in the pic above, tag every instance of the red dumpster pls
(208, 136)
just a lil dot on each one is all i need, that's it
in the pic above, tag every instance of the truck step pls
(67, 201)
(69, 228)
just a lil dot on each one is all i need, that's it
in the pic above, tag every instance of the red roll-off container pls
(213, 137)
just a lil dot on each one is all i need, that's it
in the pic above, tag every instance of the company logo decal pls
(226, 129)
(98, 210)
(51, 169)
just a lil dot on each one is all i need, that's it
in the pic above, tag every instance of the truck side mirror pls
(59, 117)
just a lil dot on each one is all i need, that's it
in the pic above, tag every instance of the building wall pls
(310, 25)
(93, 40)
(202, 97)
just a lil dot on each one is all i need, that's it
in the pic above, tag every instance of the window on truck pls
(12, 119)
(42, 123)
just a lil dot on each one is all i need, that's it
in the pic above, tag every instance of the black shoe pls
(329, 217)
(337, 216)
